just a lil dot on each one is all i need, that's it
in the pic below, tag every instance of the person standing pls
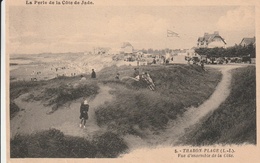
(93, 74)
(84, 107)
(202, 65)
(136, 73)
(117, 76)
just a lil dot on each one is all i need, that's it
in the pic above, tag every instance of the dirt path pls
(34, 118)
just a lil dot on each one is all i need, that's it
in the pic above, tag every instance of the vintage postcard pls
(114, 81)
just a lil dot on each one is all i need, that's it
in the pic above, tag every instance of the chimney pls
(216, 33)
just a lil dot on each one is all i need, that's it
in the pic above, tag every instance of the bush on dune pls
(18, 88)
(54, 144)
(56, 92)
(13, 109)
(64, 93)
(138, 109)
(109, 145)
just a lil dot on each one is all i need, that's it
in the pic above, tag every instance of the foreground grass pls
(136, 108)
(234, 122)
(54, 144)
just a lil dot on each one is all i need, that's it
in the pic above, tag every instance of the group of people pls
(145, 77)
(140, 77)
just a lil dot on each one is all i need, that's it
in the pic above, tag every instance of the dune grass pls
(136, 108)
(54, 144)
(234, 122)
(18, 88)
(55, 92)
(64, 93)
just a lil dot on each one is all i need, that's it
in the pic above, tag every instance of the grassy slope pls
(234, 122)
(136, 108)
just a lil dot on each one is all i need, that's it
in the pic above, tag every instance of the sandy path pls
(34, 118)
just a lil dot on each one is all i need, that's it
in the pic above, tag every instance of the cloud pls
(241, 18)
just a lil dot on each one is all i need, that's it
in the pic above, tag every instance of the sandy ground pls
(34, 117)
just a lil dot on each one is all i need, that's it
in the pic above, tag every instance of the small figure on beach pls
(93, 74)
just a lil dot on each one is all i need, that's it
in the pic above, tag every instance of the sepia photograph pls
(107, 81)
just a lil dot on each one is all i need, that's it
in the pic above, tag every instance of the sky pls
(45, 29)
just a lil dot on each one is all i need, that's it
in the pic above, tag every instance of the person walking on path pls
(84, 107)
(93, 74)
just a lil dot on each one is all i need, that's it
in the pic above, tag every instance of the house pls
(211, 41)
(190, 52)
(246, 41)
(127, 48)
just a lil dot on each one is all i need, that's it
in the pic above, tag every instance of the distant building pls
(100, 50)
(211, 41)
(191, 53)
(139, 52)
(246, 41)
(127, 48)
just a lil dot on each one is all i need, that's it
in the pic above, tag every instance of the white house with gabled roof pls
(211, 41)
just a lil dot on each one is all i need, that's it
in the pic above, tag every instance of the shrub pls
(13, 109)
(76, 147)
(109, 145)
(53, 144)
(19, 147)
(18, 88)
(64, 93)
